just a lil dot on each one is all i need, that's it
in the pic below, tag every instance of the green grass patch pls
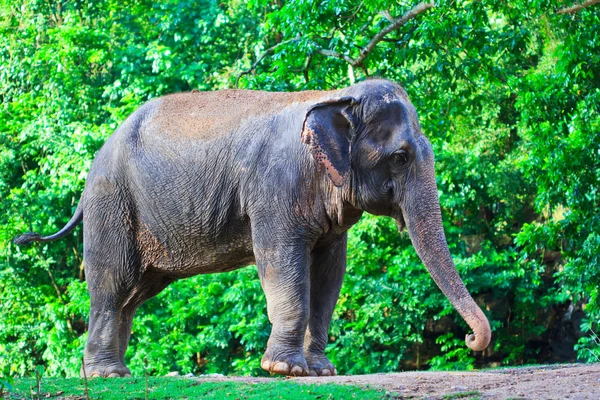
(527, 367)
(472, 395)
(182, 388)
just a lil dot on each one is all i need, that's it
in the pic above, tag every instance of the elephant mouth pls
(400, 221)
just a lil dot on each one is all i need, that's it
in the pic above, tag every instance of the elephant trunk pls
(422, 216)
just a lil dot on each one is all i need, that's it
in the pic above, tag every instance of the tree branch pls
(577, 7)
(262, 56)
(332, 53)
(386, 14)
(397, 24)
(394, 25)
(306, 66)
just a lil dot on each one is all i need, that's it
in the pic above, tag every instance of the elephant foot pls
(106, 371)
(282, 361)
(319, 365)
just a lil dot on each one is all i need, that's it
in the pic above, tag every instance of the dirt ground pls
(572, 381)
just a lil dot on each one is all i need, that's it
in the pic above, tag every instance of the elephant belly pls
(185, 252)
(220, 258)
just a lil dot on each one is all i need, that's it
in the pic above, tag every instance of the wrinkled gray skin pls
(198, 183)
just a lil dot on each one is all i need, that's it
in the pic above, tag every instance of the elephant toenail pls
(114, 375)
(335, 371)
(266, 365)
(127, 376)
(95, 375)
(325, 372)
(281, 367)
(312, 372)
(297, 371)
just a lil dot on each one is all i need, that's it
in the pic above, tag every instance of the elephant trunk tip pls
(482, 333)
(478, 342)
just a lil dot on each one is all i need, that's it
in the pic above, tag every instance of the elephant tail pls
(30, 237)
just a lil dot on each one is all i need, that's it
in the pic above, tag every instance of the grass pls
(509, 368)
(471, 395)
(182, 388)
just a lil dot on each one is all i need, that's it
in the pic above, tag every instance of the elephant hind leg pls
(150, 285)
(101, 354)
(112, 270)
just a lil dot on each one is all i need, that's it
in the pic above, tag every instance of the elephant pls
(205, 182)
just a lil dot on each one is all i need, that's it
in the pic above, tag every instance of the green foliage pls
(588, 347)
(455, 356)
(6, 385)
(508, 93)
(213, 322)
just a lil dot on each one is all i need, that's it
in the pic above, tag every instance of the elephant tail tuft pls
(27, 238)
(31, 237)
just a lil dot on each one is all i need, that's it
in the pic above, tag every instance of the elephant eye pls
(400, 158)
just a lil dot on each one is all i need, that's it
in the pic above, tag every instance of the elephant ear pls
(327, 131)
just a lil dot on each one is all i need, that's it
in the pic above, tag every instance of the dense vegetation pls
(508, 93)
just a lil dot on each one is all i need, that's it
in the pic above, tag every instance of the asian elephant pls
(205, 182)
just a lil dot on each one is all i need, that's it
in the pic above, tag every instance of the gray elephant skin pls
(205, 182)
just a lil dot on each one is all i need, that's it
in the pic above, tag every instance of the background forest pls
(508, 93)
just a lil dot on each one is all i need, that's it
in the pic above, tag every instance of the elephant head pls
(369, 141)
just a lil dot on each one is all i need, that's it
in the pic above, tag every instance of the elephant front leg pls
(283, 272)
(327, 271)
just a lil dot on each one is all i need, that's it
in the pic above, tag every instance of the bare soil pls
(572, 381)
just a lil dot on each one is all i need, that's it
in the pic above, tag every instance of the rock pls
(174, 373)
(211, 376)
(461, 388)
